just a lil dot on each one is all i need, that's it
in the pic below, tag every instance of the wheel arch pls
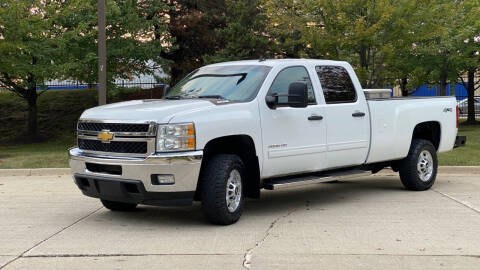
(430, 131)
(241, 145)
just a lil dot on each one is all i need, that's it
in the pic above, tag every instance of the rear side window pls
(336, 84)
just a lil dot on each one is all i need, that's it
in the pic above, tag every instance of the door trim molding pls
(295, 151)
(347, 146)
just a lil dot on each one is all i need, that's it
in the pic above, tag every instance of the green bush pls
(58, 112)
(118, 93)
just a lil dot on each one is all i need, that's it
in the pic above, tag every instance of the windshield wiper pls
(174, 97)
(241, 75)
(213, 96)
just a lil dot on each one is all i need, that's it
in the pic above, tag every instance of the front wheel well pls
(242, 146)
(429, 131)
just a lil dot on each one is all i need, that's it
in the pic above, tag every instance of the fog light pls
(163, 179)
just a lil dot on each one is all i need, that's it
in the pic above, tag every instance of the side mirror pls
(272, 101)
(297, 97)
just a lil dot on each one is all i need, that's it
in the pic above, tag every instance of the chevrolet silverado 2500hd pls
(228, 130)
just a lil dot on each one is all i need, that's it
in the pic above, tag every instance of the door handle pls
(358, 114)
(315, 117)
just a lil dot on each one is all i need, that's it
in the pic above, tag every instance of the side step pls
(285, 182)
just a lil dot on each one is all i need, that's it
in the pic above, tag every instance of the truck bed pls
(393, 120)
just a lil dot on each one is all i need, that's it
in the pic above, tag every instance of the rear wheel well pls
(242, 146)
(429, 131)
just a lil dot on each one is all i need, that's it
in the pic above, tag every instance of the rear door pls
(346, 116)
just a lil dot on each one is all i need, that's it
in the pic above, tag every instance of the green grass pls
(36, 155)
(464, 156)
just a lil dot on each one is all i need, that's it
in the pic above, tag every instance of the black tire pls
(118, 206)
(410, 175)
(213, 187)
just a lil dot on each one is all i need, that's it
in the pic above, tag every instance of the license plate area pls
(104, 168)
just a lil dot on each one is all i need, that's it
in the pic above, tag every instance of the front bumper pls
(129, 179)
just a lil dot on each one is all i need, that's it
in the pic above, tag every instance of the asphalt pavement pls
(366, 223)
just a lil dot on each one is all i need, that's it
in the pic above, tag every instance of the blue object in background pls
(64, 87)
(425, 91)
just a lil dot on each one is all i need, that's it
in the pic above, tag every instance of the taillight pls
(458, 116)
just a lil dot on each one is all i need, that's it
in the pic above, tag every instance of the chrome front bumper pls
(184, 166)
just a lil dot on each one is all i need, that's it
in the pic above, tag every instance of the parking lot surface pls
(366, 223)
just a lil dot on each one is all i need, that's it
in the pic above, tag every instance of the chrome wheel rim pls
(425, 166)
(234, 191)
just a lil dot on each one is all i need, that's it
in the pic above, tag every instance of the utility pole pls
(102, 54)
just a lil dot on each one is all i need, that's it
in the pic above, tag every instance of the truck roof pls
(281, 62)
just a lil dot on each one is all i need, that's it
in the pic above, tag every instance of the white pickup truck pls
(228, 130)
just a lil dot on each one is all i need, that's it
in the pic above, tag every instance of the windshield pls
(236, 83)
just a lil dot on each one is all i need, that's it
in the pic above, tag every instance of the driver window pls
(288, 76)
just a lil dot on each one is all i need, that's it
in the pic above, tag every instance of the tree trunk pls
(471, 93)
(362, 53)
(363, 57)
(32, 128)
(443, 83)
(403, 87)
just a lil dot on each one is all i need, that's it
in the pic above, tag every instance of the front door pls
(294, 139)
(346, 117)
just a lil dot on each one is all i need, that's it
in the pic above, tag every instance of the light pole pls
(102, 54)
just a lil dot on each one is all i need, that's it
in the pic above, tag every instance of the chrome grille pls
(113, 127)
(129, 139)
(114, 146)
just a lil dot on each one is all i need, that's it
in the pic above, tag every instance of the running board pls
(281, 183)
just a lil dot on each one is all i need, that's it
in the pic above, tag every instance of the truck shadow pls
(323, 195)
(273, 203)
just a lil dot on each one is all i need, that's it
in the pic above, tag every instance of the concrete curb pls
(34, 172)
(445, 170)
(65, 171)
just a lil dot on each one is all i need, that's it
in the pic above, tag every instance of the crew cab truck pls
(228, 130)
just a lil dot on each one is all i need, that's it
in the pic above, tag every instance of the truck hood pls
(158, 110)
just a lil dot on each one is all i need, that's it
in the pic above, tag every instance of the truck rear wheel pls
(419, 169)
(222, 189)
(118, 206)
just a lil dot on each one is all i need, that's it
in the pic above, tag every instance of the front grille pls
(113, 146)
(113, 127)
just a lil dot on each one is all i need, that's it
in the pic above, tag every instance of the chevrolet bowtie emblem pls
(105, 136)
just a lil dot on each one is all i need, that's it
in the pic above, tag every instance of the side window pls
(336, 84)
(286, 77)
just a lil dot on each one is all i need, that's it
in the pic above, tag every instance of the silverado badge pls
(105, 136)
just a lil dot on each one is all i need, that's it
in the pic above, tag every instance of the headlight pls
(176, 137)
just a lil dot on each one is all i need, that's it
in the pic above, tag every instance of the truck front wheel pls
(222, 189)
(419, 169)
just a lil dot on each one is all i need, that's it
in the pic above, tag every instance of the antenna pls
(261, 58)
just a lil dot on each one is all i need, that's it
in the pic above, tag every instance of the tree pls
(132, 48)
(190, 31)
(365, 33)
(402, 63)
(438, 31)
(243, 36)
(284, 22)
(41, 40)
(33, 51)
(468, 51)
